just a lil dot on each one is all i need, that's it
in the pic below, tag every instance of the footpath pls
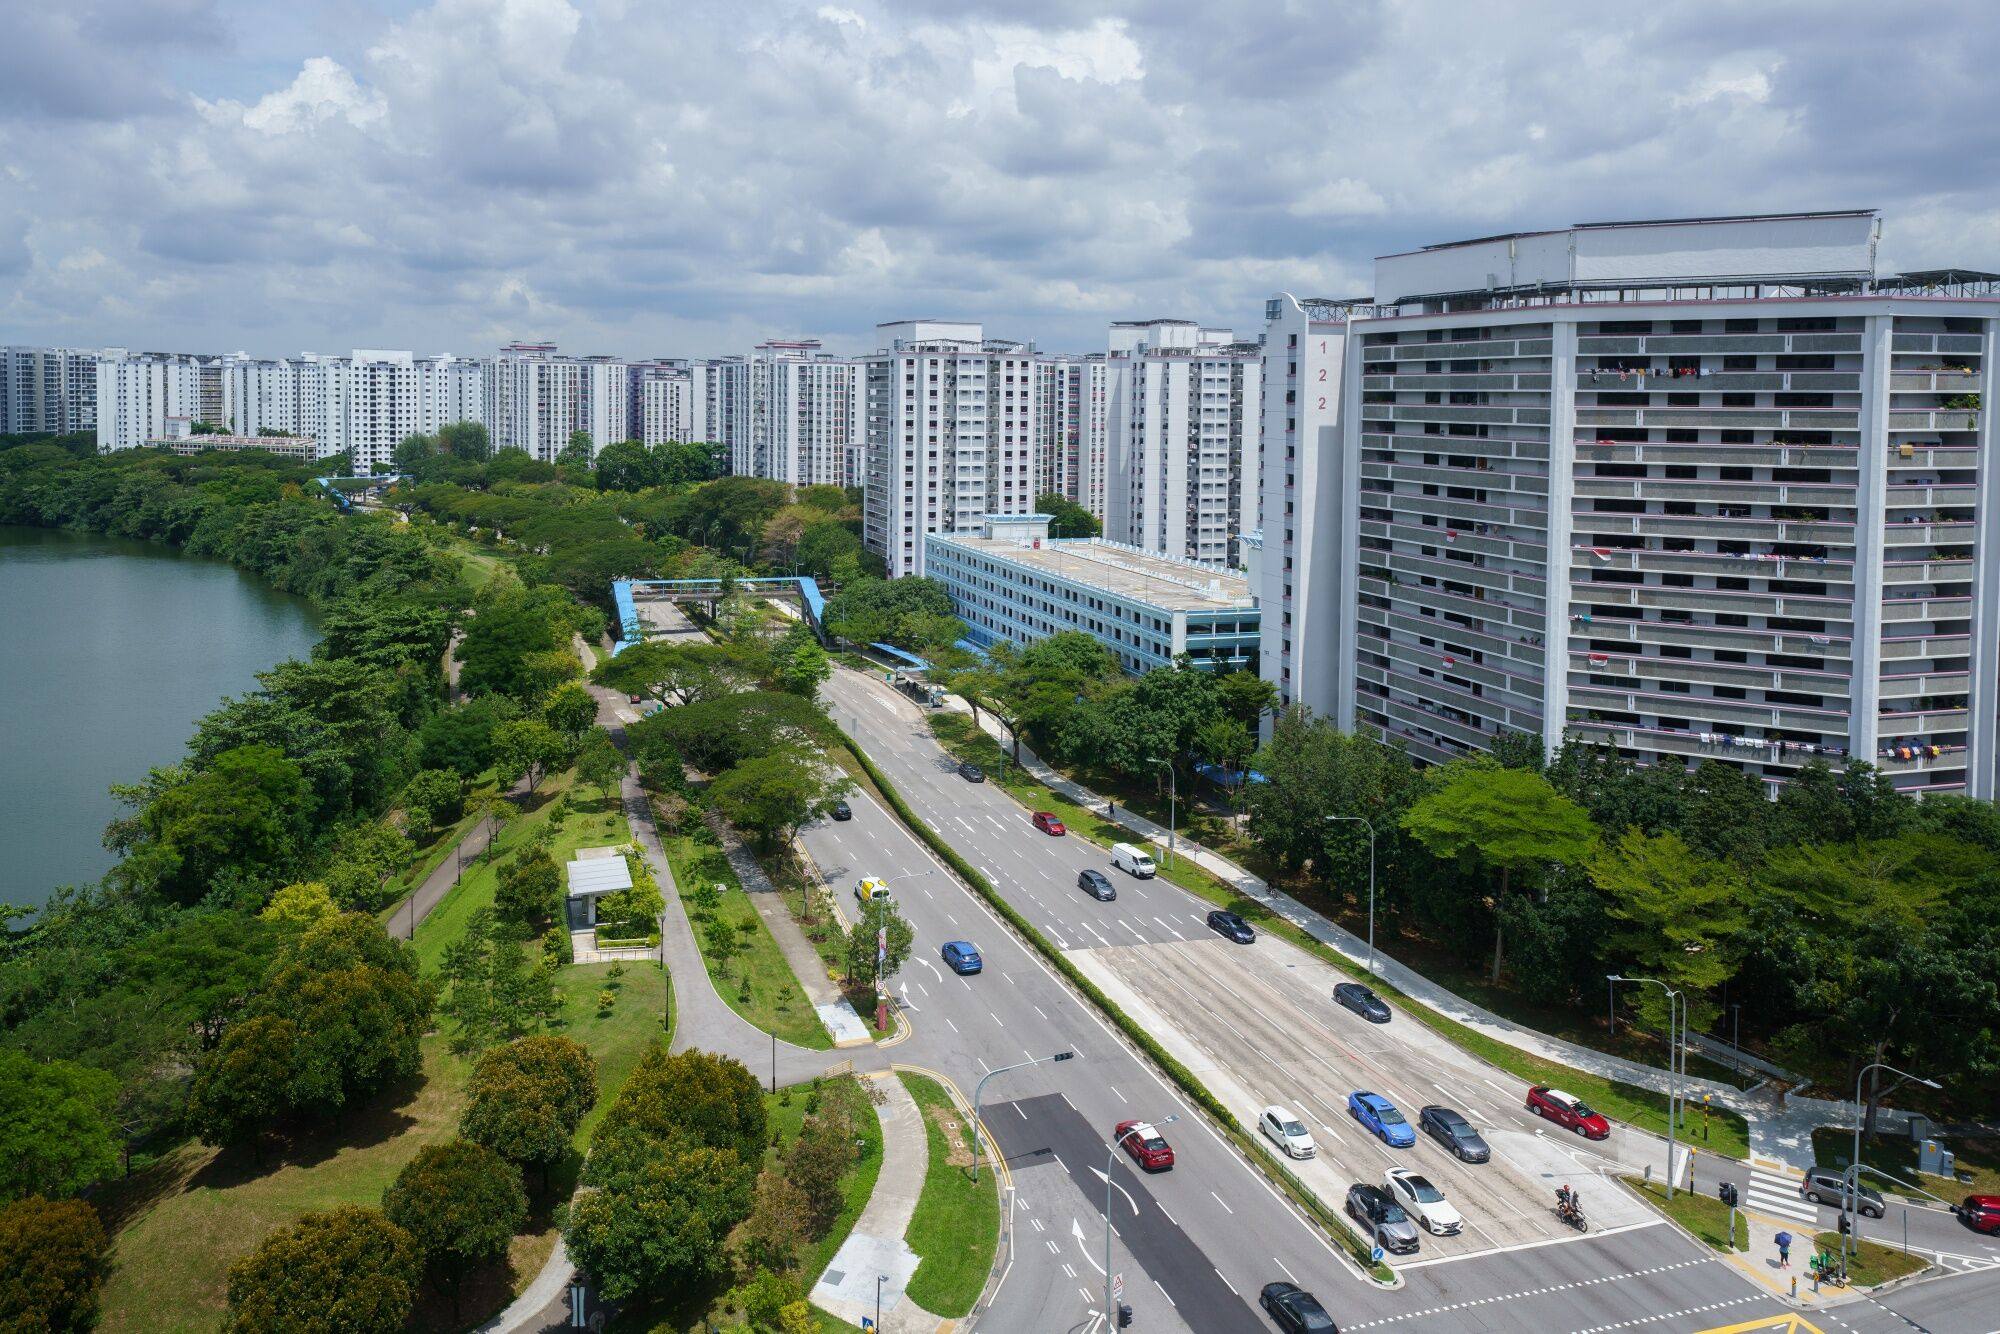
(868, 1275)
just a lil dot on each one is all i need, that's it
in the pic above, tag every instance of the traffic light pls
(1124, 1316)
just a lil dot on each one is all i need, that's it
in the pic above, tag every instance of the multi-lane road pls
(1195, 1244)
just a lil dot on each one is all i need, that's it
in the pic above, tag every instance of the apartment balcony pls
(1730, 638)
(1774, 455)
(1706, 745)
(1719, 492)
(1641, 669)
(1498, 616)
(1440, 474)
(1962, 344)
(1940, 419)
(1470, 413)
(1902, 611)
(1741, 713)
(1463, 572)
(1481, 349)
(1456, 381)
(1899, 574)
(1492, 447)
(1926, 534)
(1942, 761)
(1733, 345)
(1829, 533)
(1710, 600)
(1924, 685)
(1458, 539)
(1523, 648)
(1925, 646)
(1939, 495)
(1934, 382)
(1411, 715)
(1941, 723)
(1719, 418)
(1469, 511)
(1418, 747)
(1698, 562)
(1510, 689)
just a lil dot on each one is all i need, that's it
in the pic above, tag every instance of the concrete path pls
(876, 1247)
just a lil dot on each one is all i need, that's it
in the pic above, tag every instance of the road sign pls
(1117, 1286)
(1375, 1256)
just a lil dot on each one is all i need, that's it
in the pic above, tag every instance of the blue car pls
(961, 956)
(1380, 1116)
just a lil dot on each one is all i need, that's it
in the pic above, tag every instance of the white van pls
(1132, 860)
(870, 888)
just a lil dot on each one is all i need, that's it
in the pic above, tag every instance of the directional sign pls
(1376, 1255)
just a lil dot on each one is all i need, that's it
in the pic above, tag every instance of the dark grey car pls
(1382, 1218)
(1096, 884)
(1828, 1185)
(1362, 1001)
(1453, 1131)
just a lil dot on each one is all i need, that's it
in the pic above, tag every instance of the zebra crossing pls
(1778, 1195)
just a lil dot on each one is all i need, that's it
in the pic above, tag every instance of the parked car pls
(971, 772)
(1048, 824)
(1096, 884)
(1133, 861)
(1230, 925)
(1354, 996)
(633, 699)
(1568, 1111)
(1286, 1131)
(842, 811)
(870, 888)
(1453, 1131)
(1147, 1146)
(1382, 1218)
(1981, 1213)
(1828, 1185)
(1294, 1310)
(1381, 1118)
(962, 956)
(1422, 1201)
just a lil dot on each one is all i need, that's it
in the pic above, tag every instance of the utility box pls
(1920, 1127)
(1935, 1159)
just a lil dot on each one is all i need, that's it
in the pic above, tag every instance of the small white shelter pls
(591, 878)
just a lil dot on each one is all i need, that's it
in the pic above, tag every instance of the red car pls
(1048, 824)
(1568, 1111)
(1147, 1146)
(1981, 1213)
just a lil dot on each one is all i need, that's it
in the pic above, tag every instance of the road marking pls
(1554, 1241)
(995, 1018)
(1560, 1287)
(1288, 1273)
(1227, 1284)
(954, 1027)
(1164, 1293)
(954, 920)
(1771, 1193)
(1133, 929)
(1170, 929)
(1039, 1010)
(1225, 1208)
(1490, 1084)
(1163, 1210)
(1114, 1089)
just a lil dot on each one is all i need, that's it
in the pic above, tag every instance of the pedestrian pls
(1111, 810)
(1784, 1240)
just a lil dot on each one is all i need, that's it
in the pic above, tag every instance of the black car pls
(1453, 1131)
(971, 772)
(1382, 1218)
(1097, 884)
(1295, 1310)
(1232, 926)
(842, 811)
(1362, 1001)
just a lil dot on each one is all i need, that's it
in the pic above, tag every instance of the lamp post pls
(979, 1090)
(1173, 807)
(1850, 1190)
(1111, 1161)
(1673, 1065)
(1371, 884)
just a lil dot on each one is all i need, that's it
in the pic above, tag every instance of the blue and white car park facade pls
(1012, 581)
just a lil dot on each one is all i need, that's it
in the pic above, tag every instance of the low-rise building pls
(182, 439)
(1010, 580)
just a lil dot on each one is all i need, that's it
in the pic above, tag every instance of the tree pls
(655, 1212)
(244, 1087)
(802, 666)
(1225, 742)
(462, 1203)
(907, 612)
(519, 643)
(772, 795)
(1067, 519)
(626, 466)
(599, 762)
(1681, 913)
(56, 1133)
(896, 938)
(527, 1097)
(300, 904)
(1509, 820)
(570, 710)
(494, 991)
(468, 441)
(527, 746)
(717, 734)
(246, 812)
(461, 739)
(432, 798)
(676, 674)
(712, 1099)
(530, 892)
(577, 454)
(346, 1271)
(53, 1259)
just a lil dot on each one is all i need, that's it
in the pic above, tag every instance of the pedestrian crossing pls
(1777, 1195)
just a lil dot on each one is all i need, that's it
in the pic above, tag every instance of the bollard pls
(1795, 1287)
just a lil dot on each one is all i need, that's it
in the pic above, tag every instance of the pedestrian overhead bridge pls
(631, 597)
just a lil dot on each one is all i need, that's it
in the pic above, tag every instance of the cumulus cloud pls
(654, 179)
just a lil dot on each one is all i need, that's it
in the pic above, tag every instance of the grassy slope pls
(1833, 1147)
(1726, 1133)
(1874, 1264)
(1703, 1215)
(956, 1228)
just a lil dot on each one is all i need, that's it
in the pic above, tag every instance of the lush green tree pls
(495, 989)
(244, 813)
(1225, 742)
(1067, 519)
(1678, 916)
(462, 1203)
(577, 456)
(770, 796)
(415, 456)
(881, 928)
(802, 666)
(906, 612)
(570, 710)
(626, 465)
(530, 892)
(468, 441)
(1245, 696)
(599, 762)
(709, 1098)
(518, 643)
(1507, 820)
(528, 746)
(676, 674)
(390, 634)
(56, 1134)
(433, 798)
(363, 855)
(829, 551)
(300, 905)
(527, 1097)
(718, 734)
(53, 1259)
(346, 1271)
(244, 1087)
(461, 739)
(686, 462)
(655, 1213)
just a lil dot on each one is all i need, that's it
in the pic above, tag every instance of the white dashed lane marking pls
(1577, 1286)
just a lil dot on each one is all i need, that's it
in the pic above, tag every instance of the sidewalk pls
(876, 1247)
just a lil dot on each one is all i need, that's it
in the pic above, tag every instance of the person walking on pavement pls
(1784, 1240)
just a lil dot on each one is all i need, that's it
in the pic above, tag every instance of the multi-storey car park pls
(1704, 488)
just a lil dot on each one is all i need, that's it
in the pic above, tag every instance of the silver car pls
(1382, 1218)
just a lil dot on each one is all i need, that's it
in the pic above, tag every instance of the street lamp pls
(1850, 1192)
(1111, 1161)
(1173, 806)
(1674, 1000)
(1371, 884)
(979, 1089)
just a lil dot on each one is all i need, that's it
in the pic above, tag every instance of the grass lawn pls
(1725, 1133)
(433, 851)
(1834, 1146)
(756, 981)
(1874, 1263)
(1703, 1215)
(956, 1228)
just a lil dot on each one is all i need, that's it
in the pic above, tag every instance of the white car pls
(1286, 1131)
(870, 888)
(1422, 1201)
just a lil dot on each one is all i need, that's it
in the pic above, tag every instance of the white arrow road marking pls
(934, 971)
(1115, 1186)
(1076, 1230)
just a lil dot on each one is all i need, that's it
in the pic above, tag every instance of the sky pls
(678, 178)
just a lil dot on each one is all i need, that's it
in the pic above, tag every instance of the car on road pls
(1048, 824)
(1382, 1119)
(1096, 884)
(1828, 1185)
(971, 772)
(1294, 1310)
(869, 888)
(842, 811)
(1286, 1131)
(1133, 860)
(961, 956)
(1146, 1146)
(1568, 1111)
(1355, 997)
(1452, 1130)
(1230, 925)
(1981, 1213)
(1381, 1218)
(1422, 1201)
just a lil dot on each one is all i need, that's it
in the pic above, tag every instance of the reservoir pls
(110, 649)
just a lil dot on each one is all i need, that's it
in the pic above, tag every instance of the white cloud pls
(323, 91)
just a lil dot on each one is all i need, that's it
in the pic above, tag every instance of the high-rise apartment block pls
(365, 403)
(801, 416)
(659, 402)
(138, 392)
(1182, 437)
(537, 398)
(48, 389)
(1692, 489)
(951, 435)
